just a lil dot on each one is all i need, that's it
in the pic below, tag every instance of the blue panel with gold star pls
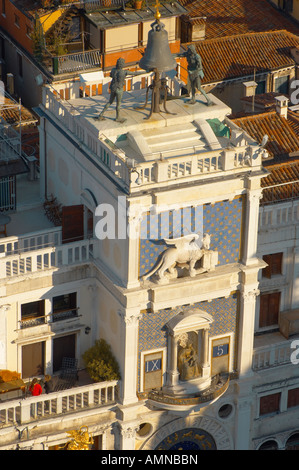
(222, 220)
(188, 439)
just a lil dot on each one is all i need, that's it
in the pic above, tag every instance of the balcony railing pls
(272, 355)
(52, 318)
(47, 258)
(57, 404)
(30, 242)
(218, 387)
(77, 62)
(160, 169)
(63, 315)
(281, 214)
(33, 321)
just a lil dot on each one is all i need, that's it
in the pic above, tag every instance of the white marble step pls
(175, 137)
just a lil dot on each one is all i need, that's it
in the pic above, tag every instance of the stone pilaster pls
(129, 339)
(251, 226)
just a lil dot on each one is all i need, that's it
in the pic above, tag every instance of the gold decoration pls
(81, 440)
(158, 14)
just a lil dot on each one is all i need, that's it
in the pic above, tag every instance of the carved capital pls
(255, 197)
(251, 295)
(130, 318)
(128, 431)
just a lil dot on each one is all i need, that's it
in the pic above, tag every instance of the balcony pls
(15, 260)
(165, 400)
(272, 350)
(58, 404)
(52, 318)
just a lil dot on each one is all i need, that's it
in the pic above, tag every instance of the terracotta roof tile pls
(236, 56)
(282, 183)
(230, 17)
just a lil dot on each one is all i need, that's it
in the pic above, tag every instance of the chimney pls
(282, 105)
(249, 91)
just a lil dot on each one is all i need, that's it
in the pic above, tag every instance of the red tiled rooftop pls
(283, 141)
(237, 56)
(231, 17)
(282, 183)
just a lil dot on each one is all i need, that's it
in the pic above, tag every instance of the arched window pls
(293, 442)
(269, 445)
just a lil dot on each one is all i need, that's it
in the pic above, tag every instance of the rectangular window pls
(281, 84)
(261, 87)
(3, 7)
(293, 397)
(274, 267)
(269, 309)
(32, 314)
(64, 306)
(270, 403)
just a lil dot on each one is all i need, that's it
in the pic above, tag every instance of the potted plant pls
(100, 363)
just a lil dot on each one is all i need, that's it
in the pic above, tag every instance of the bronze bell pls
(157, 55)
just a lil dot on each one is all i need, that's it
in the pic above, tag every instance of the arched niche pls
(188, 341)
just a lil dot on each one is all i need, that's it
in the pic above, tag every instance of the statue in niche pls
(187, 359)
(195, 74)
(184, 251)
(118, 75)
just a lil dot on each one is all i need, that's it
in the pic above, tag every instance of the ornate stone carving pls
(184, 251)
(218, 431)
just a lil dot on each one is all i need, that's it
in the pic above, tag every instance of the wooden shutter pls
(276, 263)
(269, 309)
(269, 403)
(267, 270)
(33, 360)
(293, 397)
(72, 223)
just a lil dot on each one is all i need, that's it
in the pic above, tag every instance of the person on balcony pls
(35, 388)
(49, 384)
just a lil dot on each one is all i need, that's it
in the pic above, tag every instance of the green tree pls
(100, 362)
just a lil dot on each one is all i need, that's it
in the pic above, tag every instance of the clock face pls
(188, 439)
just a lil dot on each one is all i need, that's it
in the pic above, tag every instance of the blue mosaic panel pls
(153, 330)
(222, 220)
(167, 224)
(152, 325)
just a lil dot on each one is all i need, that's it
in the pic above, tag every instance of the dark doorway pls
(64, 346)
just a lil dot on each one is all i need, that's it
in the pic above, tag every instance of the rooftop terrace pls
(187, 139)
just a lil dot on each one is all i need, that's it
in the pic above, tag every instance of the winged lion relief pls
(183, 252)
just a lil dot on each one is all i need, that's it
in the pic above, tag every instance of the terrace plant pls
(100, 362)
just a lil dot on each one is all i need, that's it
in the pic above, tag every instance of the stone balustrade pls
(55, 404)
(30, 242)
(26, 262)
(276, 354)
